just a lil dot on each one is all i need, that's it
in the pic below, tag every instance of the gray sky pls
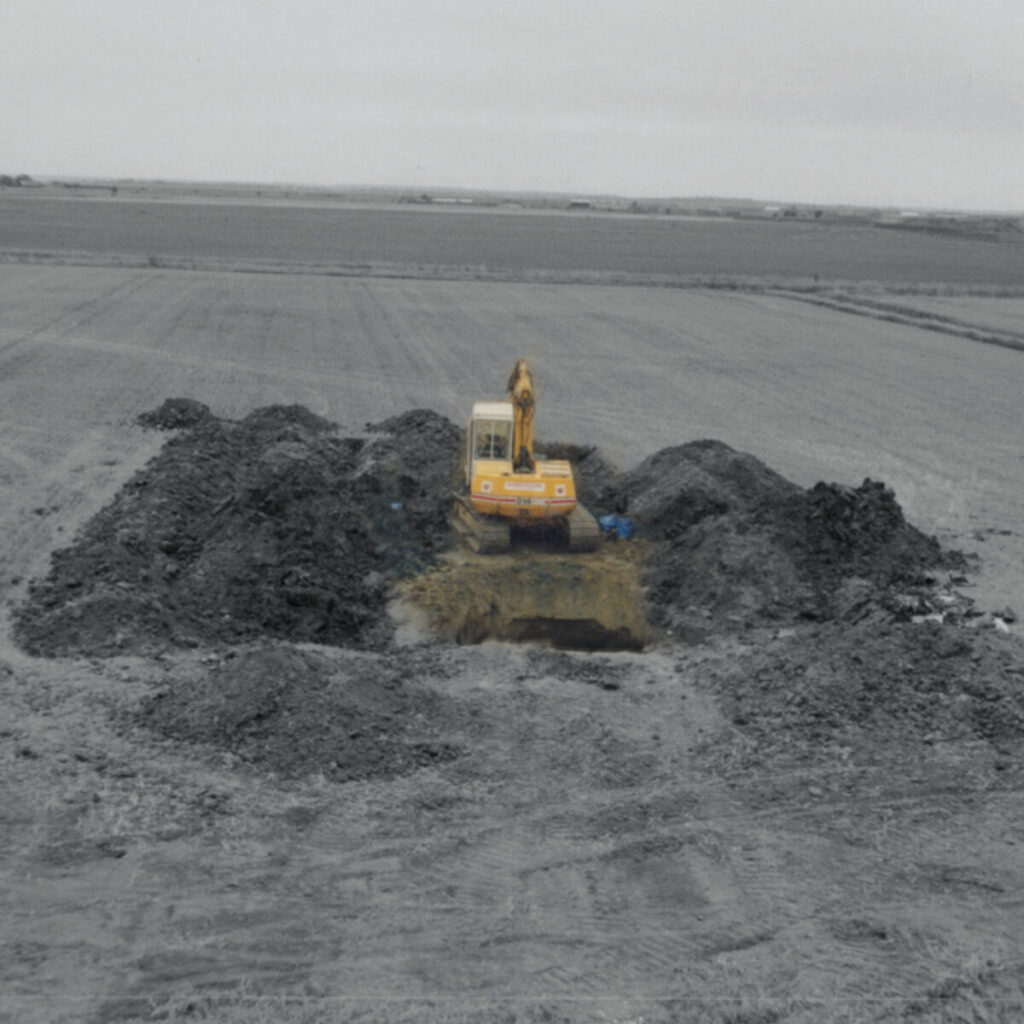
(895, 102)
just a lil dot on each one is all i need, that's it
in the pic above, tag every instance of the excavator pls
(509, 491)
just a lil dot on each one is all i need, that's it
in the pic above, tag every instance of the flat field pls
(502, 244)
(600, 853)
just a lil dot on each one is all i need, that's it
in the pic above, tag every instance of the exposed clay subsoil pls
(593, 602)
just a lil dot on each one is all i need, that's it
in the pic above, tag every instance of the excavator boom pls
(524, 405)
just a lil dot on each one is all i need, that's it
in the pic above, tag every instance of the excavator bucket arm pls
(524, 405)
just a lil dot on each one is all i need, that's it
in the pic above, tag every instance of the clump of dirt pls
(298, 713)
(175, 414)
(274, 418)
(600, 672)
(269, 527)
(882, 680)
(739, 545)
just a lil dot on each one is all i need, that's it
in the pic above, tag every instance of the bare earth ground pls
(600, 851)
(578, 864)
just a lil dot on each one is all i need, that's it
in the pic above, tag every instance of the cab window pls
(492, 439)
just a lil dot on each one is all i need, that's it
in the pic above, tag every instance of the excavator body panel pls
(544, 492)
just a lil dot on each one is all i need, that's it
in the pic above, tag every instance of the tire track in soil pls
(548, 910)
(82, 313)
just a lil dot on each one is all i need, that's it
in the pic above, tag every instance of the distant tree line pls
(10, 181)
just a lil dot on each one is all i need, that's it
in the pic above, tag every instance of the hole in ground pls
(589, 602)
(573, 634)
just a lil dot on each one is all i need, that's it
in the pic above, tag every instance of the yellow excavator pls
(509, 492)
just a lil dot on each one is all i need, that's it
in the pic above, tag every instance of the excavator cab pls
(491, 438)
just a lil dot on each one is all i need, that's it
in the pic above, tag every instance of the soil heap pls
(298, 713)
(175, 413)
(739, 545)
(273, 526)
(874, 682)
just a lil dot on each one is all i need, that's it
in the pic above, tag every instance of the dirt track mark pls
(571, 906)
(79, 314)
(908, 315)
(519, 870)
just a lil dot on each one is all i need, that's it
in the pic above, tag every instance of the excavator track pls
(489, 535)
(584, 533)
(484, 534)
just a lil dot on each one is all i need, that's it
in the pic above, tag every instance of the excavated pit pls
(588, 602)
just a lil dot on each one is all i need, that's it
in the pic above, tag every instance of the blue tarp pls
(620, 525)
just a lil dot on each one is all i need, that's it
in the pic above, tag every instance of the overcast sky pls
(895, 102)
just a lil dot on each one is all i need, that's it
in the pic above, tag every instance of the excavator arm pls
(524, 405)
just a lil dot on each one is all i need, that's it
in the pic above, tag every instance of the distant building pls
(580, 204)
(896, 216)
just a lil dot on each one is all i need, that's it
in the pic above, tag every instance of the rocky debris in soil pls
(739, 545)
(879, 680)
(269, 527)
(174, 414)
(299, 713)
(600, 672)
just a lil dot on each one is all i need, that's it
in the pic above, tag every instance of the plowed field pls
(689, 833)
(504, 244)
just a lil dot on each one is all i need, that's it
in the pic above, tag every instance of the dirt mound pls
(886, 681)
(297, 713)
(739, 545)
(270, 527)
(273, 418)
(676, 488)
(413, 458)
(174, 414)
